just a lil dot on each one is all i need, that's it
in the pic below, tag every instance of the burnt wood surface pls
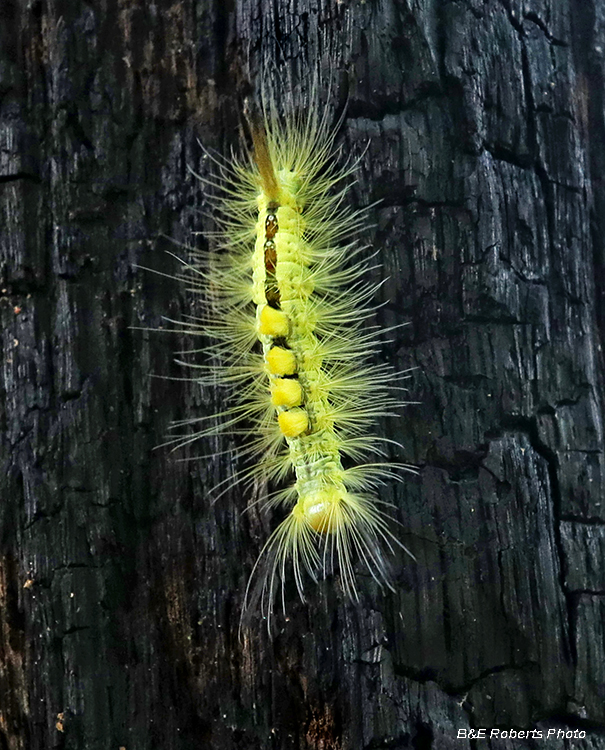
(121, 583)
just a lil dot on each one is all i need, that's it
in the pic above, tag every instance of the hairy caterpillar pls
(286, 310)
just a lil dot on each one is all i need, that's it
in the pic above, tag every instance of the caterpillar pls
(286, 312)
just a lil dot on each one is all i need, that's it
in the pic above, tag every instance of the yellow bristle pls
(272, 322)
(293, 423)
(286, 392)
(280, 361)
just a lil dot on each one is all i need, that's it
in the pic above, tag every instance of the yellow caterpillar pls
(286, 310)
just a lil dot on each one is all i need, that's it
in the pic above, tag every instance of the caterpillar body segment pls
(287, 305)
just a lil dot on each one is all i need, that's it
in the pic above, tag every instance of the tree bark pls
(121, 582)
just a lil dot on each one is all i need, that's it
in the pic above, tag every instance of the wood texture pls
(120, 582)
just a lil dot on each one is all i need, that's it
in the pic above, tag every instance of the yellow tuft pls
(280, 361)
(293, 423)
(272, 322)
(286, 392)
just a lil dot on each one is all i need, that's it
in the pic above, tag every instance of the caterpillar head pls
(320, 508)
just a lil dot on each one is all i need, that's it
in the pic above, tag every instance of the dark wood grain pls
(121, 583)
